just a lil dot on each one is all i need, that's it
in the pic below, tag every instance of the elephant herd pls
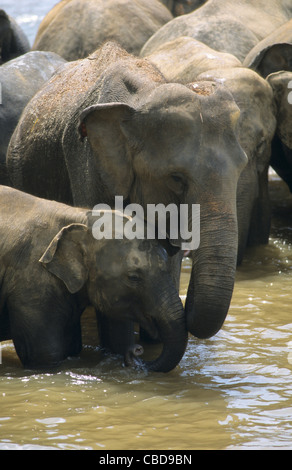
(161, 102)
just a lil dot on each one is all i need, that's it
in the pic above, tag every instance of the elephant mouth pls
(149, 325)
(164, 324)
(137, 316)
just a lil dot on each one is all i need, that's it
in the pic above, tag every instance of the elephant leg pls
(260, 225)
(117, 336)
(40, 340)
(253, 209)
(246, 195)
(5, 331)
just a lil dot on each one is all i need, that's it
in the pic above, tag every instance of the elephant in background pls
(50, 248)
(272, 58)
(112, 125)
(273, 53)
(226, 26)
(184, 58)
(20, 79)
(13, 41)
(182, 7)
(281, 159)
(74, 28)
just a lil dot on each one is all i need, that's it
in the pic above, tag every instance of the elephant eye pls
(177, 178)
(177, 183)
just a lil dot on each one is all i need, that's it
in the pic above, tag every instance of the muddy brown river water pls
(233, 391)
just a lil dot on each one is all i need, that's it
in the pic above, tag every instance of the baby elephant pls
(52, 268)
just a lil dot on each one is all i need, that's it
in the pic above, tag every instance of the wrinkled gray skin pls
(76, 28)
(281, 160)
(52, 268)
(146, 140)
(225, 25)
(256, 129)
(13, 41)
(20, 79)
(272, 54)
(184, 58)
(182, 7)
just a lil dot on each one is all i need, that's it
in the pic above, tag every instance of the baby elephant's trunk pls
(171, 326)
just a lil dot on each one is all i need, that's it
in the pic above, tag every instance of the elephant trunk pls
(213, 271)
(171, 325)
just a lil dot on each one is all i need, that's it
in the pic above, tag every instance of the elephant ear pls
(64, 257)
(281, 83)
(269, 59)
(102, 125)
(273, 53)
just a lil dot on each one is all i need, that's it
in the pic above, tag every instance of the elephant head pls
(281, 159)
(178, 145)
(125, 280)
(256, 130)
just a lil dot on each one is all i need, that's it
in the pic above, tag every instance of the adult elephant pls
(185, 59)
(13, 41)
(225, 26)
(273, 53)
(74, 28)
(281, 159)
(20, 79)
(112, 125)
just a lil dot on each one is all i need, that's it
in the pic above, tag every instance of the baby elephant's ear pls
(64, 257)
